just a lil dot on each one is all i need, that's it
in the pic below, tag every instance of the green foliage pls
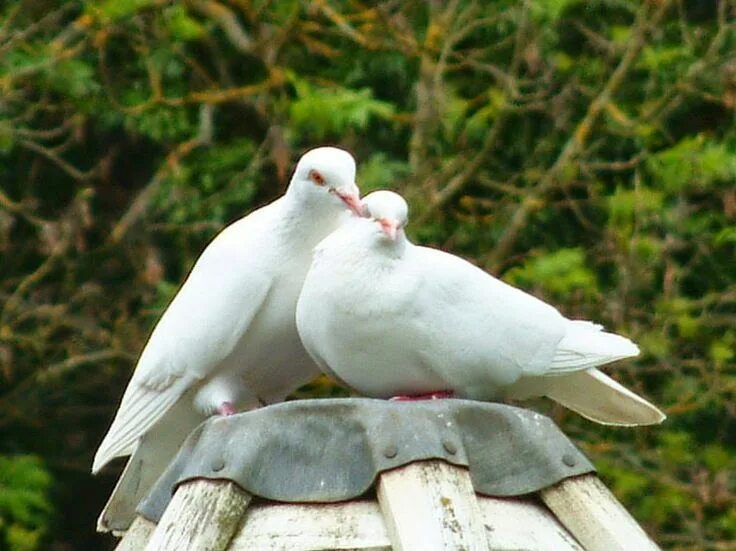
(668, 504)
(560, 273)
(25, 505)
(378, 170)
(162, 124)
(550, 10)
(628, 206)
(73, 77)
(321, 112)
(695, 163)
(6, 137)
(109, 11)
(181, 25)
(210, 185)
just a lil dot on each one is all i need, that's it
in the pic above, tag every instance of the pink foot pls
(225, 409)
(429, 396)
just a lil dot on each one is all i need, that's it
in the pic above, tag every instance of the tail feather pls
(151, 457)
(597, 397)
(586, 345)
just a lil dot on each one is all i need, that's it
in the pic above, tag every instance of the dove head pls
(389, 211)
(326, 175)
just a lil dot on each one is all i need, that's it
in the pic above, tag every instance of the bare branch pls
(228, 22)
(58, 161)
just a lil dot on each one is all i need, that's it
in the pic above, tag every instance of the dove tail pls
(586, 345)
(151, 457)
(599, 398)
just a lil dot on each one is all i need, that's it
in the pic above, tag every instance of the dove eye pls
(317, 178)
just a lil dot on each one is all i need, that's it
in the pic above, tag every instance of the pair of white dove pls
(302, 281)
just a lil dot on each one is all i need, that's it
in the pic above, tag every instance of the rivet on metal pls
(390, 451)
(569, 460)
(449, 447)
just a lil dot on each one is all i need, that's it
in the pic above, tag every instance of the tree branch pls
(534, 201)
(140, 204)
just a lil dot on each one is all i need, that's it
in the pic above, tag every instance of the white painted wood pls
(354, 525)
(137, 535)
(523, 523)
(202, 515)
(594, 516)
(510, 524)
(431, 505)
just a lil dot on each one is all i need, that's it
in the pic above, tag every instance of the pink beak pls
(352, 200)
(389, 227)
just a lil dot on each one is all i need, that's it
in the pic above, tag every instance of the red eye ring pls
(316, 177)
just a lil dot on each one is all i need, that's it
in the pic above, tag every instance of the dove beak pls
(351, 198)
(389, 227)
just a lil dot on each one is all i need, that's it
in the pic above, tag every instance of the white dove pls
(228, 339)
(387, 318)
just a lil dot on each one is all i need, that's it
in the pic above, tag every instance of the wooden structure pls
(426, 505)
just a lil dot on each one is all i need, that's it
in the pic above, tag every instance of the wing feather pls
(209, 315)
(494, 326)
(153, 453)
(141, 408)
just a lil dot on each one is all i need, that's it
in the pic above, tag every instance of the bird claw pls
(439, 395)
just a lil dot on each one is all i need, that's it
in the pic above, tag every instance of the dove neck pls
(307, 218)
(359, 235)
(392, 249)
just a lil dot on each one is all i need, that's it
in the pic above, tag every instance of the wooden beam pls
(203, 514)
(594, 516)
(356, 525)
(523, 523)
(431, 505)
(137, 535)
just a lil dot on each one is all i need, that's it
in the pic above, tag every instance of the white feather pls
(585, 345)
(140, 410)
(150, 458)
(597, 397)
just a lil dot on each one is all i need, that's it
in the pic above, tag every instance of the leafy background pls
(583, 150)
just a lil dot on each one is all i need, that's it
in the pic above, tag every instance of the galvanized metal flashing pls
(333, 449)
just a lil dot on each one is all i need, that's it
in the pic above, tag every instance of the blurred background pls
(583, 150)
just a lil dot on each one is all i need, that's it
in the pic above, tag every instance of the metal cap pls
(332, 450)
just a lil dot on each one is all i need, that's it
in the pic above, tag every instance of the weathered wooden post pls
(203, 514)
(431, 505)
(592, 514)
(376, 475)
